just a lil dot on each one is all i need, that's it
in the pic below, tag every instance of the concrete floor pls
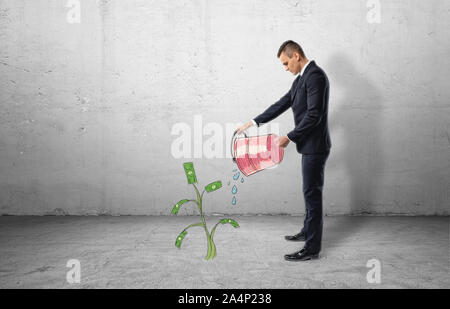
(139, 252)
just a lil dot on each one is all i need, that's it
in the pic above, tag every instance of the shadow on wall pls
(356, 118)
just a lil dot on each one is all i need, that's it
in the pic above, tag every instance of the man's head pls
(292, 56)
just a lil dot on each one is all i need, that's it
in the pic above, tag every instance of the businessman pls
(308, 99)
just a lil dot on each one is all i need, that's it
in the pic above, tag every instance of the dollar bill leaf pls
(177, 206)
(229, 221)
(190, 172)
(180, 239)
(213, 186)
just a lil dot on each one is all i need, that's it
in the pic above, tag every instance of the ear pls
(297, 56)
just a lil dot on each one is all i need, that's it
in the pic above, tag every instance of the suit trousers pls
(313, 167)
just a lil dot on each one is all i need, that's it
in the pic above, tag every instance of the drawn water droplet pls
(234, 200)
(242, 179)
(236, 176)
(228, 183)
(234, 190)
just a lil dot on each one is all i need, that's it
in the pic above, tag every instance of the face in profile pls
(291, 64)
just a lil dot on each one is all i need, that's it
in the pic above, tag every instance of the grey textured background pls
(87, 109)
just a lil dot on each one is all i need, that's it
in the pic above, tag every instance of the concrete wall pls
(88, 108)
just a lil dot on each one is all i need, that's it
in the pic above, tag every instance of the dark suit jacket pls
(308, 98)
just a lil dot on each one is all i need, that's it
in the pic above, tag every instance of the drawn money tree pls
(213, 186)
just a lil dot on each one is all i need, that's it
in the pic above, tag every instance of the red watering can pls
(255, 153)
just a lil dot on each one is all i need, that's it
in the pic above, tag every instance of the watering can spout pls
(255, 153)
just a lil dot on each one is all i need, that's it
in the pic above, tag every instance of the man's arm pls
(275, 110)
(269, 114)
(315, 101)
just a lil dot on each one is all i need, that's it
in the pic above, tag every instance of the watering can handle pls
(232, 143)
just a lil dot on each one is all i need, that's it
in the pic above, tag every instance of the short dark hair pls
(289, 47)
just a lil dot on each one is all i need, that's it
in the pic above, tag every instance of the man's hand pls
(282, 141)
(244, 127)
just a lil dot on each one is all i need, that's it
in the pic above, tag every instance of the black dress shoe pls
(298, 237)
(302, 255)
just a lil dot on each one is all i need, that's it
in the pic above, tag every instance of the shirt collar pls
(304, 68)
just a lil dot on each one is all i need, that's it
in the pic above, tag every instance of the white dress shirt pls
(304, 68)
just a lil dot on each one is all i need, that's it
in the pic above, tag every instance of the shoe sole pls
(311, 257)
(296, 240)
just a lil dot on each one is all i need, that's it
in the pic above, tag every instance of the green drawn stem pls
(211, 253)
(214, 230)
(195, 224)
